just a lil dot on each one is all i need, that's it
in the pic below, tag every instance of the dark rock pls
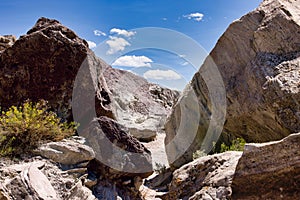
(6, 41)
(43, 65)
(118, 154)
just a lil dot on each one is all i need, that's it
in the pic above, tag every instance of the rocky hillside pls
(258, 57)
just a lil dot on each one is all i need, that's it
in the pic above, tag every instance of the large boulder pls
(208, 177)
(140, 106)
(269, 170)
(44, 63)
(258, 58)
(118, 154)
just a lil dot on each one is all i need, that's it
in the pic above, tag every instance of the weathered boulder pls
(6, 41)
(118, 154)
(79, 192)
(208, 177)
(43, 64)
(39, 183)
(140, 106)
(258, 58)
(38, 178)
(269, 170)
(67, 152)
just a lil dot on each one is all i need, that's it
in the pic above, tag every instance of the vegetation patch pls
(236, 145)
(23, 128)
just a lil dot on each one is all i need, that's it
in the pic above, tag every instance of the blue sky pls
(203, 21)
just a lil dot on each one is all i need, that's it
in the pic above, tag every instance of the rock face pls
(258, 57)
(269, 170)
(140, 106)
(6, 41)
(208, 177)
(43, 65)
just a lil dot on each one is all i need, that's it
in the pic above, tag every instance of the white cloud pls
(122, 32)
(116, 44)
(133, 61)
(195, 16)
(164, 19)
(92, 44)
(182, 55)
(99, 33)
(185, 63)
(162, 75)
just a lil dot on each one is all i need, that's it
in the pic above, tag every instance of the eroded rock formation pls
(140, 106)
(258, 57)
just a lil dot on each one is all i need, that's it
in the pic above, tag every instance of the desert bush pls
(23, 128)
(236, 145)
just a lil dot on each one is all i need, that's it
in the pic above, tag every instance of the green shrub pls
(236, 145)
(23, 128)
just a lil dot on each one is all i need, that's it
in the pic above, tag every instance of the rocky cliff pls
(258, 57)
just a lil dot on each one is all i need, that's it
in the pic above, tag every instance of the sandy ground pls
(157, 149)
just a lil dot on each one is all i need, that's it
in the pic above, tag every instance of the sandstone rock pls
(39, 182)
(3, 193)
(118, 154)
(37, 178)
(208, 177)
(140, 106)
(66, 152)
(269, 170)
(79, 192)
(43, 65)
(258, 57)
(6, 41)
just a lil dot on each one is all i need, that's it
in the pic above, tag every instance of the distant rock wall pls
(139, 105)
